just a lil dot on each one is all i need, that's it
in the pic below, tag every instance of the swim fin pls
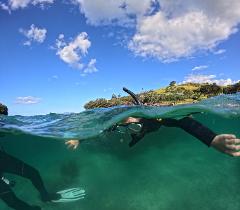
(70, 195)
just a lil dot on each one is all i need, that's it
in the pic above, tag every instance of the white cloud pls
(35, 2)
(201, 78)
(164, 29)
(55, 77)
(219, 52)
(52, 78)
(176, 29)
(198, 68)
(5, 7)
(73, 52)
(27, 43)
(27, 100)
(183, 28)
(113, 11)
(16, 4)
(107, 89)
(91, 67)
(20, 4)
(34, 34)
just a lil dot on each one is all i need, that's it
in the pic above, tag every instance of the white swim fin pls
(70, 195)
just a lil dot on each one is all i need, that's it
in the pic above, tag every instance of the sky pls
(56, 55)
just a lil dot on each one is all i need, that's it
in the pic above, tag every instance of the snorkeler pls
(139, 127)
(10, 164)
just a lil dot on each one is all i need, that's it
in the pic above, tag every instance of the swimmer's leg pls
(18, 167)
(8, 196)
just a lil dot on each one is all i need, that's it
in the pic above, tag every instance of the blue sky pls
(58, 55)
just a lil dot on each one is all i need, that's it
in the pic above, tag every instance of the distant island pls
(173, 94)
(3, 109)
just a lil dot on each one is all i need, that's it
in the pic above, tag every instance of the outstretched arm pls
(193, 127)
(225, 143)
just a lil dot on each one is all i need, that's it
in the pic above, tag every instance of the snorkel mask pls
(128, 128)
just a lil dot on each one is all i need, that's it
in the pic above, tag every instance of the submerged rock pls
(3, 109)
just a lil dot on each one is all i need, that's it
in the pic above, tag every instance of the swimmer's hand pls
(227, 143)
(72, 144)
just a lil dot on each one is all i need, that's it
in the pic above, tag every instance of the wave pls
(93, 122)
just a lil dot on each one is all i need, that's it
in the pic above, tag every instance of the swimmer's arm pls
(225, 143)
(75, 143)
(188, 124)
(193, 127)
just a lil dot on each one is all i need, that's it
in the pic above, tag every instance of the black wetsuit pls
(188, 124)
(10, 164)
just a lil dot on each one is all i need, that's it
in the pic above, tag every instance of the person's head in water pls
(130, 125)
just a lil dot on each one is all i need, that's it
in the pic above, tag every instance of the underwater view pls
(168, 169)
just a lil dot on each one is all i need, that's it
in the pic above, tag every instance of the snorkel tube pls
(135, 98)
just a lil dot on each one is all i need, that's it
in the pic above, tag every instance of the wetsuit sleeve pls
(135, 139)
(192, 127)
(149, 125)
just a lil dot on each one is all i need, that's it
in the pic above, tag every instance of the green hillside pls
(173, 94)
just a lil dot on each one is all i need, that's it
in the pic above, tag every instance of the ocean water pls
(168, 169)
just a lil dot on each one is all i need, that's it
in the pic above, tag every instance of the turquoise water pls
(167, 170)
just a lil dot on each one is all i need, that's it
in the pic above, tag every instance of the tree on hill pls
(114, 96)
(230, 89)
(3, 109)
(173, 83)
(211, 89)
